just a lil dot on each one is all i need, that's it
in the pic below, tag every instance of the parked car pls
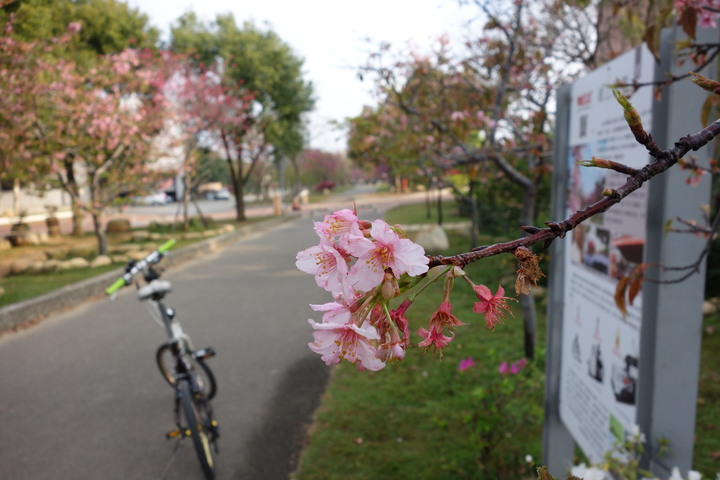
(222, 194)
(155, 198)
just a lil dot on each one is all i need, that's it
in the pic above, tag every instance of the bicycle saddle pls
(160, 287)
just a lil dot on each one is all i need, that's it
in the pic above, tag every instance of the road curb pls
(29, 312)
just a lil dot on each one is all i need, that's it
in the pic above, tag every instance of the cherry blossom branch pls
(701, 47)
(693, 268)
(664, 160)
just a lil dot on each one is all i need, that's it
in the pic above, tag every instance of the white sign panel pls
(600, 357)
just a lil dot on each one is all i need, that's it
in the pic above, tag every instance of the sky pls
(332, 37)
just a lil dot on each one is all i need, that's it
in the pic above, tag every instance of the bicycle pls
(181, 366)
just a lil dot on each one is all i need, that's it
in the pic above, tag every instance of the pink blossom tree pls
(23, 65)
(202, 109)
(97, 128)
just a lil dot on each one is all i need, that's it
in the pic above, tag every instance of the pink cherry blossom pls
(386, 250)
(443, 316)
(434, 338)
(335, 342)
(394, 333)
(512, 369)
(466, 364)
(338, 226)
(495, 307)
(707, 19)
(503, 368)
(441, 319)
(335, 312)
(457, 116)
(398, 316)
(327, 264)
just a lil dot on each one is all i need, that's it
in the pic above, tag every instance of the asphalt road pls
(81, 397)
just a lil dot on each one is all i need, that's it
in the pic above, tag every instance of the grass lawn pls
(418, 213)
(707, 423)
(22, 287)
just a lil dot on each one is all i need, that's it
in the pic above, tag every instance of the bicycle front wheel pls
(166, 364)
(198, 422)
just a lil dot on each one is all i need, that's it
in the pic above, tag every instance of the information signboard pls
(607, 372)
(601, 347)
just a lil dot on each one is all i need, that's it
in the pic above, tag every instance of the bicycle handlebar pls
(152, 258)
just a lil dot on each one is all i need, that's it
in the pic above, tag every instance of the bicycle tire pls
(166, 364)
(195, 414)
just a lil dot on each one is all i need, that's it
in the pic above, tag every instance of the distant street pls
(82, 398)
(142, 215)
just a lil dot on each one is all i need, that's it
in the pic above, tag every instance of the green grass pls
(706, 457)
(418, 213)
(22, 287)
(319, 197)
(422, 418)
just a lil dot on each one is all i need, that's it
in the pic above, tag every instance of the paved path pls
(81, 397)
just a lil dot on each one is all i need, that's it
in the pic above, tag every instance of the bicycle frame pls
(179, 342)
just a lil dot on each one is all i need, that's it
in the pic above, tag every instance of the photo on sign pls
(587, 183)
(626, 253)
(591, 248)
(624, 379)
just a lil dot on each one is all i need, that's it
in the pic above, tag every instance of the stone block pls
(433, 239)
(100, 261)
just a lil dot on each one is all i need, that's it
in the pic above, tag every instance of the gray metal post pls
(672, 312)
(558, 444)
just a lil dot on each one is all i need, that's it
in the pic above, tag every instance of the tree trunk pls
(239, 202)
(527, 302)
(474, 217)
(77, 217)
(71, 187)
(428, 201)
(99, 234)
(296, 173)
(185, 201)
(16, 197)
(439, 206)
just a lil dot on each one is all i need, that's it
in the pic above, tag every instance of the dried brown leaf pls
(636, 280)
(528, 272)
(620, 295)
(688, 20)
(711, 103)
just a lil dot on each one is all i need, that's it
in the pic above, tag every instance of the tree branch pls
(664, 160)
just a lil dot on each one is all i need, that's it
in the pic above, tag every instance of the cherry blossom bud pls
(390, 288)
(631, 115)
(705, 83)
